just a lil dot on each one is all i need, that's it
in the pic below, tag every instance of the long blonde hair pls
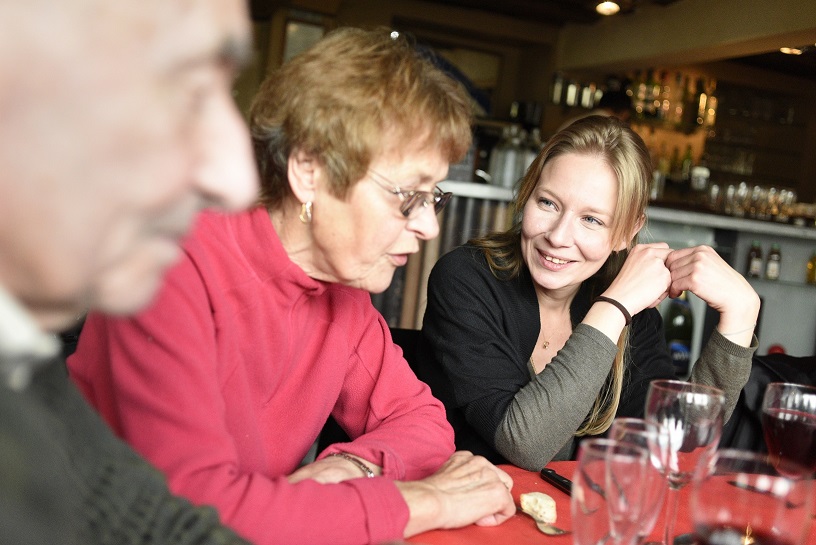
(626, 154)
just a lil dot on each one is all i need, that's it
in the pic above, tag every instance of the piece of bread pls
(540, 506)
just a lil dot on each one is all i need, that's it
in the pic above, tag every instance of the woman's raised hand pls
(643, 281)
(703, 272)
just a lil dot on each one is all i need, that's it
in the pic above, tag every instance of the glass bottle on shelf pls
(685, 165)
(679, 328)
(772, 267)
(810, 278)
(691, 104)
(652, 95)
(557, 88)
(664, 102)
(754, 261)
(532, 146)
(639, 94)
(675, 164)
(676, 100)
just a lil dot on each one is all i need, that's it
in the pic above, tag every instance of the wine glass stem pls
(672, 499)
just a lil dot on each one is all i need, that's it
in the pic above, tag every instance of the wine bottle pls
(811, 269)
(679, 328)
(773, 264)
(754, 261)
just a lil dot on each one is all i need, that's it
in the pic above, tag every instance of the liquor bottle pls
(685, 165)
(679, 327)
(691, 105)
(754, 262)
(676, 100)
(811, 269)
(773, 264)
(532, 146)
(639, 95)
(651, 96)
(557, 93)
(663, 102)
(675, 164)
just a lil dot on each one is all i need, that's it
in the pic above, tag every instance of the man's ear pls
(635, 230)
(302, 170)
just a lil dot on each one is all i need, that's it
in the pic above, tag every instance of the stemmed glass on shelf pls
(739, 497)
(652, 437)
(692, 418)
(789, 426)
(607, 492)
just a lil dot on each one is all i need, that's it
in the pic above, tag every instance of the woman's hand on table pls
(467, 489)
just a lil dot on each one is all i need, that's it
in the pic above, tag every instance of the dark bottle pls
(810, 277)
(753, 266)
(686, 163)
(679, 327)
(675, 164)
(773, 264)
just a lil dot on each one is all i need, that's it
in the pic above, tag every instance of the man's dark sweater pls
(66, 479)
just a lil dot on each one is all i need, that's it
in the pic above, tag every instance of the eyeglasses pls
(413, 201)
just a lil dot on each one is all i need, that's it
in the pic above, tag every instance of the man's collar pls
(23, 345)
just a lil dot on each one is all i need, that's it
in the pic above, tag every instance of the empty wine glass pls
(789, 425)
(652, 437)
(692, 417)
(739, 497)
(607, 492)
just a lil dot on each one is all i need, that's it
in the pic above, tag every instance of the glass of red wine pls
(789, 425)
(740, 497)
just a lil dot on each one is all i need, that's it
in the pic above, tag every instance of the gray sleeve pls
(545, 413)
(724, 365)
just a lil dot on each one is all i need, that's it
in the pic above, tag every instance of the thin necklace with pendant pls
(545, 345)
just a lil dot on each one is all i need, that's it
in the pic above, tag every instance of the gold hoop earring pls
(306, 212)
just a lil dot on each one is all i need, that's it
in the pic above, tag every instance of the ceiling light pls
(607, 8)
(791, 50)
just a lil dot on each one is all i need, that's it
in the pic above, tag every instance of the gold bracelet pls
(738, 332)
(364, 468)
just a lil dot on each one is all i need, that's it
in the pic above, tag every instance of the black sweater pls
(477, 337)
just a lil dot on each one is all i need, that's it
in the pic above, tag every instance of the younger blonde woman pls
(544, 333)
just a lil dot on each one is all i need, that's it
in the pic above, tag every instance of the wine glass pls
(607, 492)
(652, 437)
(692, 417)
(740, 497)
(789, 425)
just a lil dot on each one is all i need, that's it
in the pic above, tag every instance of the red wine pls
(790, 435)
(729, 535)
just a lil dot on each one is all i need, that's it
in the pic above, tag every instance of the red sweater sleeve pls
(394, 418)
(161, 379)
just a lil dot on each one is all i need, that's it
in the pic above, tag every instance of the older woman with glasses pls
(266, 327)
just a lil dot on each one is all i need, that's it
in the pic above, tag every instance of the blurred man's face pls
(111, 140)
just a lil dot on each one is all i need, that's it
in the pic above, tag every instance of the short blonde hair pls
(338, 101)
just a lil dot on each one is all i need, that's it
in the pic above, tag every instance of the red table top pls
(521, 530)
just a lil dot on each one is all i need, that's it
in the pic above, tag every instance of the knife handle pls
(560, 482)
